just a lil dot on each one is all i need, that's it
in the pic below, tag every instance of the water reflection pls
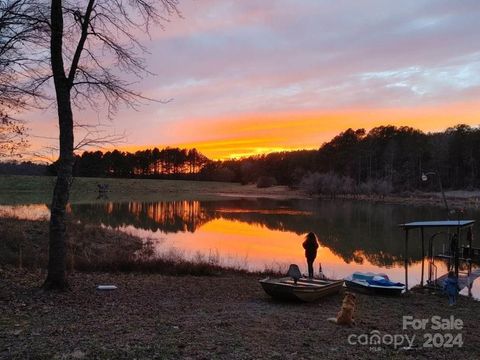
(356, 232)
(168, 217)
(258, 232)
(26, 212)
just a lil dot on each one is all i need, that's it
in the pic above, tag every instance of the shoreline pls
(224, 317)
(456, 200)
(37, 190)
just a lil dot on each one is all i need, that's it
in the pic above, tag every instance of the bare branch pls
(84, 21)
(97, 136)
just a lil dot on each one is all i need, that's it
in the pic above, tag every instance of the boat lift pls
(456, 255)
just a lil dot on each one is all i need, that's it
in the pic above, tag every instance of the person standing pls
(451, 288)
(310, 245)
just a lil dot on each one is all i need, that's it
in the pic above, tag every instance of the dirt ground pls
(215, 317)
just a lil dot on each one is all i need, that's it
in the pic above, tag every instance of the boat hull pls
(373, 290)
(305, 290)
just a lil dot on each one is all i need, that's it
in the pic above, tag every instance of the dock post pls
(423, 256)
(470, 250)
(406, 260)
(457, 255)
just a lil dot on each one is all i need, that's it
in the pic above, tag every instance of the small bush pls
(327, 184)
(223, 174)
(266, 182)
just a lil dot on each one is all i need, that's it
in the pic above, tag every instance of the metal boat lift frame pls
(457, 225)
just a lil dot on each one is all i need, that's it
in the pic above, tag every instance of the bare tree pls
(86, 48)
(98, 40)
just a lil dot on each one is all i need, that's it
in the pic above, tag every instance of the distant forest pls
(22, 168)
(385, 159)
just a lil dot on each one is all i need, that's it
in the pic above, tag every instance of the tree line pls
(172, 163)
(383, 160)
(22, 168)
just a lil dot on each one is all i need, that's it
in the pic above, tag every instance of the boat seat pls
(294, 272)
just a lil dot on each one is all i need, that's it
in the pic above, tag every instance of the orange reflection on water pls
(264, 211)
(25, 212)
(257, 247)
(234, 239)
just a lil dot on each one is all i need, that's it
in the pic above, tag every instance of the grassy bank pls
(227, 317)
(38, 189)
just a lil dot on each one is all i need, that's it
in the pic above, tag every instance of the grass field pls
(38, 189)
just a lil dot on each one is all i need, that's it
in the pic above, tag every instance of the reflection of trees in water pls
(355, 231)
(168, 217)
(352, 230)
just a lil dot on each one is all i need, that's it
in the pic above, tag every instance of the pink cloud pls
(227, 59)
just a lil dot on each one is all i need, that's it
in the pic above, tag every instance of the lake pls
(264, 233)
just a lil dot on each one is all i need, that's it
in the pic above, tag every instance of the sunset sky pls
(253, 76)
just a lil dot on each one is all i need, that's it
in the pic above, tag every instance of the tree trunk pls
(56, 278)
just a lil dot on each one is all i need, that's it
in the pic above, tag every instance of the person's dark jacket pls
(310, 245)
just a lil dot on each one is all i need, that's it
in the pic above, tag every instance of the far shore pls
(457, 200)
(38, 189)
